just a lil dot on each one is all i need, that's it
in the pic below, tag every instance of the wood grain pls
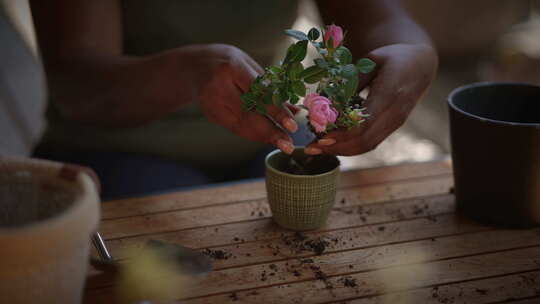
(534, 300)
(388, 262)
(255, 190)
(389, 280)
(492, 290)
(250, 210)
(393, 237)
(265, 229)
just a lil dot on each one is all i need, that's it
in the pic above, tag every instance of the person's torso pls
(255, 26)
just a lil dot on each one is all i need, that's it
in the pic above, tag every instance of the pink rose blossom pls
(336, 33)
(321, 111)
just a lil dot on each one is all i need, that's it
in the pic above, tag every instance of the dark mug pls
(495, 139)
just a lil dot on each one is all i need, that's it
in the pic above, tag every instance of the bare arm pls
(89, 78)
(93, 82)
(373, 23)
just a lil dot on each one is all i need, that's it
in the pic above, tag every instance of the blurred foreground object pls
(46, 218)
(22, 82)
(516, 56)
(151, 276)
(465, 27)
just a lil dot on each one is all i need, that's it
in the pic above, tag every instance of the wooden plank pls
(265, 229)
(415, 220)
(343, 240)
(255, 190)
(505, 289)
(282, 248)
(275, 250)
(534, 300)
(383, 263)
(382, 281)
(251, 210)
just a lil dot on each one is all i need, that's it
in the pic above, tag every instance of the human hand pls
(222, 73)
(403, 77)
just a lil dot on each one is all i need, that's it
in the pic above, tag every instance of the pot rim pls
(298, 176)
(85, 204)
(459, 90)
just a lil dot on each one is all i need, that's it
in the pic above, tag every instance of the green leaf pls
(294, 99)
(296, 52)
(365, 65)
(315, 78)
(248, 97)
(298, 88)
(350, 87)
(321, 63)
(313, 34)
(257, 87)
(349, 71)
(344, 55)
(294, 70)
(313, 73)
(331, 92)
(335, 71)
(267, 99)
(260, 108)
(283, 95)
(275, 98)
(296, 34)
(275, 69)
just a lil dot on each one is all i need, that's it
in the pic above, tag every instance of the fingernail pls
(326, 141)
(285, 146)
(290, 124)
(312, 151)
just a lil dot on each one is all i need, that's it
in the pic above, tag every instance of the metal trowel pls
(187, 260)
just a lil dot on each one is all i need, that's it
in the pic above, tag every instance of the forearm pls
(90, 78)
(378, 23)
(118, 91)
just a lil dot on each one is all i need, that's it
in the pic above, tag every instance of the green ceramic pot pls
(301, 202)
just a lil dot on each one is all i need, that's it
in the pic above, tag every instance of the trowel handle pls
(100, 246)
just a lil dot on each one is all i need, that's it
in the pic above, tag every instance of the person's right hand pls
(221, 74)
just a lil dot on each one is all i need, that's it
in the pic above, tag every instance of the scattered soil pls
(321, 276)
(443, 299)
(217, 254)
(233, 296)
(482, 291)
(302, 164)
(299, 242)
(263, 276)
(348, 282)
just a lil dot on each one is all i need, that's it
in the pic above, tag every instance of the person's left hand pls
(403, 76)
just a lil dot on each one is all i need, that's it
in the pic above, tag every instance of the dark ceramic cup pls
(495, 138)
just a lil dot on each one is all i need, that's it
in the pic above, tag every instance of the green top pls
(255, 26)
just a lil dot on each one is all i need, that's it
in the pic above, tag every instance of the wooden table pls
(393, 237)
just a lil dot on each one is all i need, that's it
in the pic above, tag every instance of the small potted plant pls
(301, 188)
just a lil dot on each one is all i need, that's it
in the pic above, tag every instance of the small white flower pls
(266, 82)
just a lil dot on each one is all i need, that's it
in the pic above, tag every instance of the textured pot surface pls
(300, 202)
